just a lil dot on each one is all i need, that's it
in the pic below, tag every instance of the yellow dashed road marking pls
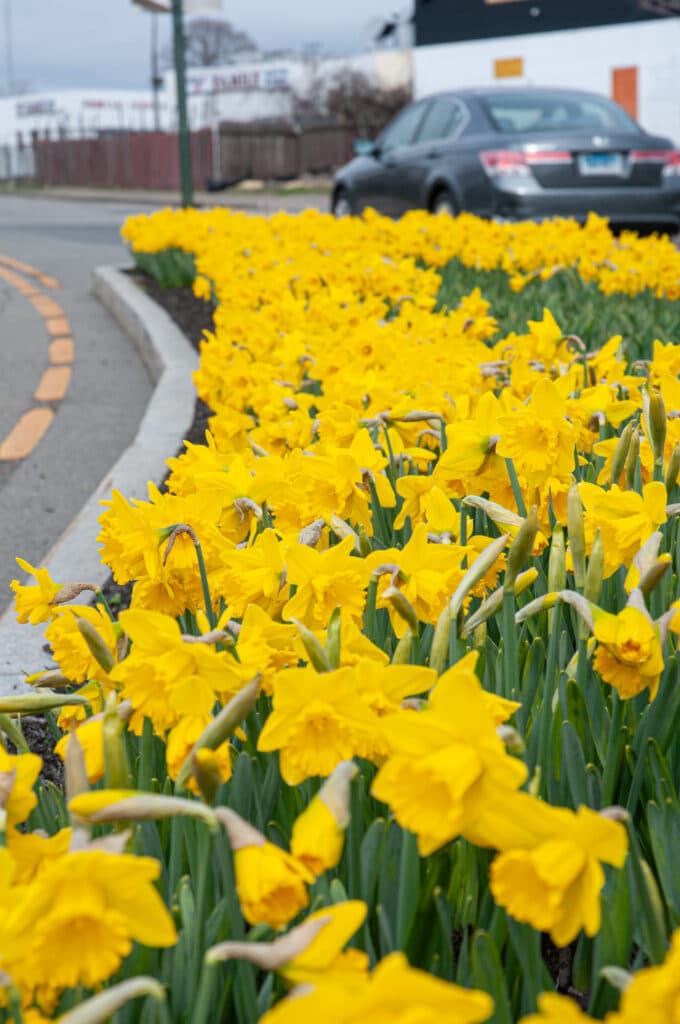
(29, 271)
(46, 306)
(57, 325)
(25, 434)
(53, 384)
(61, 351)
(31, 427)
(17, 282)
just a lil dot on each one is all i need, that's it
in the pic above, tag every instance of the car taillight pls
(648, 156)
(669, 159)
(671, 167)
(497, 162)
(509, 161)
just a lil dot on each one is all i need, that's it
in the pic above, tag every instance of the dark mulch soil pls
(40, 740)
(192, 316)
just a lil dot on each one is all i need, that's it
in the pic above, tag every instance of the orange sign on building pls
(625, 89)
(508, 67)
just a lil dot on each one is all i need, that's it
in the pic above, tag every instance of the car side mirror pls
(365, 147)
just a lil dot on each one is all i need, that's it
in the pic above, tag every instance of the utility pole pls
(176, 7)
(183, 121)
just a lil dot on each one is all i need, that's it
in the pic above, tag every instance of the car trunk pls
(592, 161)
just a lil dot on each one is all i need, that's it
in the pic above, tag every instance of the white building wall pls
(266, 90)
(77, 112)
(582, 58)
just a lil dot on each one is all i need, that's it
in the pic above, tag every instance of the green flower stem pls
(204, 842)
(613, 754)
(100, 599)
(516, 489)
(649, 907)
(204, 584)
(203, 1005)
(582, 665)
(545, 719)
(509, 632)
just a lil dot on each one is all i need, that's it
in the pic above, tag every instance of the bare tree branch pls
(352, 98)
(213, 41)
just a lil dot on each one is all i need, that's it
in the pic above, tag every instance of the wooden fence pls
(136, 160)
(150, 160)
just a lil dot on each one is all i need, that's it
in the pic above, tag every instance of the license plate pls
(601, 163)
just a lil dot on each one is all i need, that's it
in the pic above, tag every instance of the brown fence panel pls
(150, 160)
(324, 148)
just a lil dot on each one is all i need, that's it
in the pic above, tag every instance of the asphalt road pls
(105, 391)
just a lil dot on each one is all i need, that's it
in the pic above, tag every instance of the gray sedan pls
(515, 153)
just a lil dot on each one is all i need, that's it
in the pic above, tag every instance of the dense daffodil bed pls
(397, 694)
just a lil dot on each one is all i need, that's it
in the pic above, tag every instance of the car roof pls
(494, 91)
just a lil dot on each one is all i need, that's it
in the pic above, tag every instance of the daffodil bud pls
(269, 956)
(71, 590)
(75, 772)
(493, 602)
(539, 604)
(633, 458)
(479, 568)
(621, 453)
(511, 738)
(617, 977)
(76, 783)
(577, 535)
(402, 607)
(365, 546)
(479, 635)
(30, 703)
(99, 649)
(439, 651)
(51, 677)
(655, 573)
(102, 1007)
(402, 652)
(520, 549)
(116, 767)
(105, 806)
(557, 565)
(222, 726)
(595, 570)
(673, 468)
(654, 412)
(310, 535)
(315, 652)
(333, 638)
(341, 529)
(206, 772)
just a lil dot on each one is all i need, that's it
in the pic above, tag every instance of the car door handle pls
(432, 154)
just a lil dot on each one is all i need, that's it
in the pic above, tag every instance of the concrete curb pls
(170, 361)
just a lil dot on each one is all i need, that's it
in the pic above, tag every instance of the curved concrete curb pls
(170, 361)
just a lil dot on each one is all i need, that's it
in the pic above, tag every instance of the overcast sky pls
(105, 43)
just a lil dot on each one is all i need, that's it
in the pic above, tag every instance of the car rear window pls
(514, 114)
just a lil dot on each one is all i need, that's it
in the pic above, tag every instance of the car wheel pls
(444, 202)
(342, 204)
